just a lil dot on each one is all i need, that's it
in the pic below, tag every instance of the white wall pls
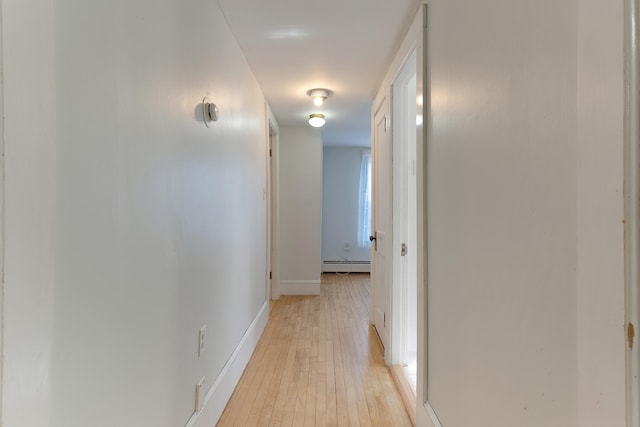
(340, 204)
(300, 210)
(600, 273)
(526, 287)
(160, 222)
(28, 73)
(502, 213)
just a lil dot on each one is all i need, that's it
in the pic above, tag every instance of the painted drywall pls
(28, 74)
(300, 209)
(161, 222)
(340, 204)
(492, 127)
(600, 273)
(502, 213)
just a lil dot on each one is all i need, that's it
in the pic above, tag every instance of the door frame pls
(632, 208)
(2, 219)
(404, 125)
(425, 413)
(417, 39)
(273, 219)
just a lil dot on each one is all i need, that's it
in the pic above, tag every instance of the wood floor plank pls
(318, 364)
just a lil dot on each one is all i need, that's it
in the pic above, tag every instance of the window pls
(364, 206)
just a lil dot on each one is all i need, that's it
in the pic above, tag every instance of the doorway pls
(405, 268)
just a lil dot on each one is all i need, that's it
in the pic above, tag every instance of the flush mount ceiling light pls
(319, 95)
(316, 120)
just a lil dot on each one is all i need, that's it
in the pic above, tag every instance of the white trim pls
(404, 134)
(632, 208)
(299, 287)
(272, 120)
(274, 248)
(423, 146)
(268, 198)
(346, 267)
(273, 219)
(218, 396)
(2, 218)
(432, 415)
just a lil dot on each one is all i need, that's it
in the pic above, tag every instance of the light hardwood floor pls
(319, 363)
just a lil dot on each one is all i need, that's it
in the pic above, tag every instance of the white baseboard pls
(432, 415)
(346, 267)
(216, 399)
(299, 287)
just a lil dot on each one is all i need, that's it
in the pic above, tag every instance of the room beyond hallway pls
(319, 363)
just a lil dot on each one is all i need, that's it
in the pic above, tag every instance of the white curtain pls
(364, 207)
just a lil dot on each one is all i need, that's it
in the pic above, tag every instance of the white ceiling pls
(342, 45)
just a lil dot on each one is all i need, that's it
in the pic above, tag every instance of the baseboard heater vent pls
(346, 266)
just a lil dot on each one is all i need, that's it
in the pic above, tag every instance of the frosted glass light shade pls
(316, 120)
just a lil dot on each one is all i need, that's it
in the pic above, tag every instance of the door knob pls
(374, 239)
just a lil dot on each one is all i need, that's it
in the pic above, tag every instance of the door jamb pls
(2, 216)
(400, 133)
(632, 208)
(273, 219)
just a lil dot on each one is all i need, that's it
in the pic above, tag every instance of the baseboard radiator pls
(344, 266)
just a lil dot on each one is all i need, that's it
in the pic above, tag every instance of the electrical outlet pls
(199, 395)
(202, 340)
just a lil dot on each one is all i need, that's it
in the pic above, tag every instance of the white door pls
(381, 224)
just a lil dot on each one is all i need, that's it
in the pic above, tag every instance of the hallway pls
(318, 364)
